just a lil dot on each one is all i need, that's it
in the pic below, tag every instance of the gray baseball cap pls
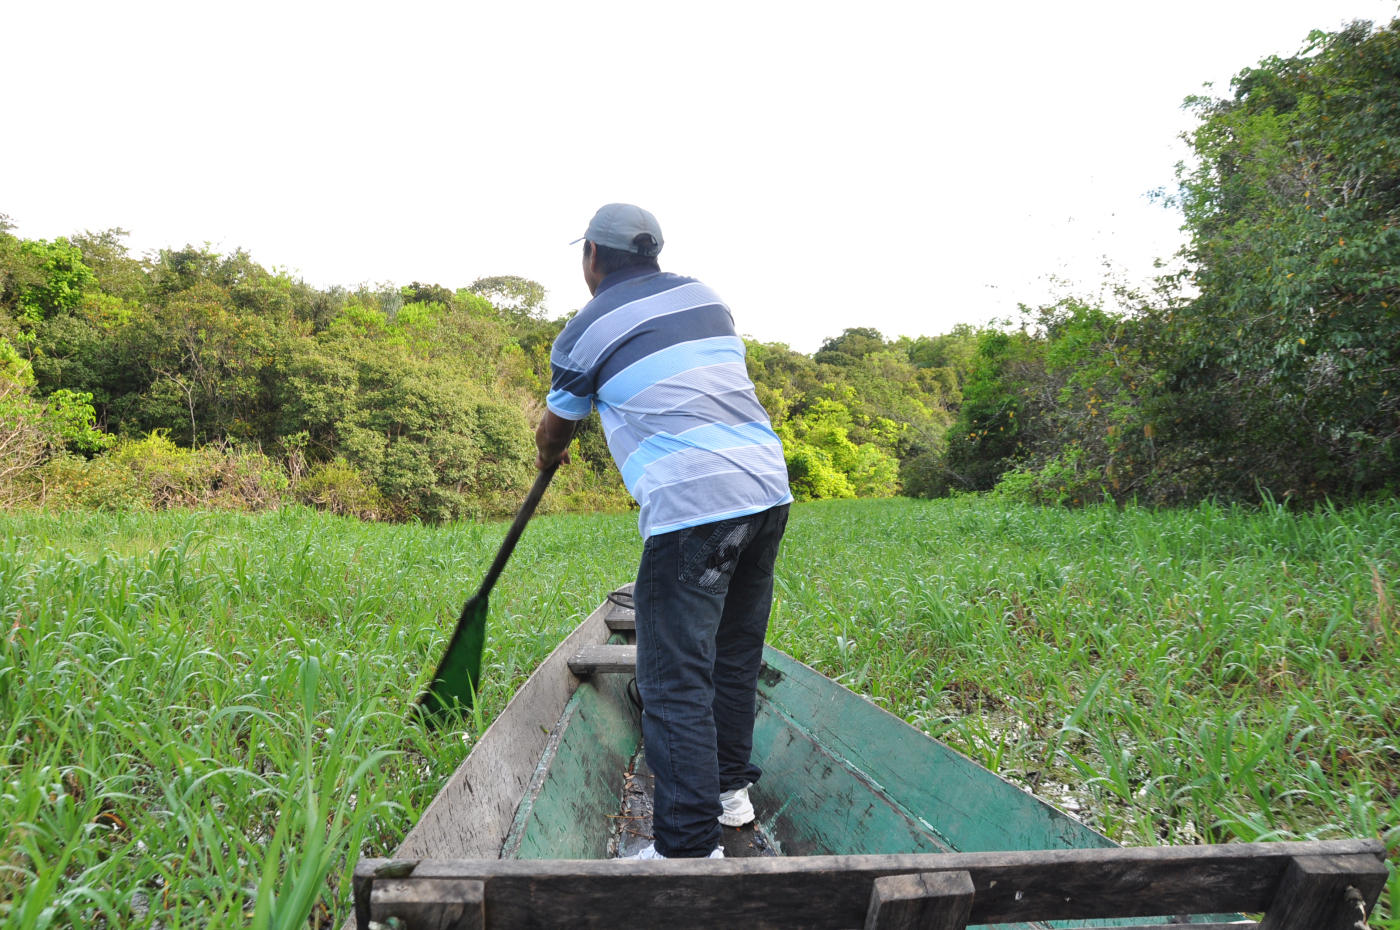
(617, 226)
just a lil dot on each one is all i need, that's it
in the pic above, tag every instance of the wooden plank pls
(430, 904)
(620, 619)
(577, 786)
(967, 807)
(814, 803)
(833, 892)
(1233, 925)
(1326, 893)
(511, 846)
(603, 659)
(921, 901)
(470, 816)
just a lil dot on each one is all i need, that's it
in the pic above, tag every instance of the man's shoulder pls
(622, 294)
(632, 290)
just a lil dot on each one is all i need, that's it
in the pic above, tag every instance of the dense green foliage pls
(1271, 364)
(390, 402)
(863, 412)
(1269, 367)
(184, 696)
(1293, 205)
(410, 402)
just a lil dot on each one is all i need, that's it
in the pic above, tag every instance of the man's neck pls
(626, 274)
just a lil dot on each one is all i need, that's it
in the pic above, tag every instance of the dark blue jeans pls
(703, 596)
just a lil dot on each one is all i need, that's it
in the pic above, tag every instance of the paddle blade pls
(458, 675)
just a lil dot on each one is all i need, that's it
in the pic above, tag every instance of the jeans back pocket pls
(709, 553)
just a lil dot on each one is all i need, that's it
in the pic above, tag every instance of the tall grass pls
(1183, 676)
(202, 717)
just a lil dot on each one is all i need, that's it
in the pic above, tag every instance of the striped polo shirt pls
(658, 355)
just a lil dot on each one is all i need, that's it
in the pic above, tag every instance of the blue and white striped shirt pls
(659, 356)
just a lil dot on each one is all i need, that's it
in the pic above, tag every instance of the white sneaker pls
(738, 809)
(650, 853)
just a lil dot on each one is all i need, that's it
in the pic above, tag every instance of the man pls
(659, 357)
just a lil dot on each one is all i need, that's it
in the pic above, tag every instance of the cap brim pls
(578, 240)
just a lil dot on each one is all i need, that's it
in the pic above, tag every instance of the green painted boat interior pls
(577, 785)
(841, 776)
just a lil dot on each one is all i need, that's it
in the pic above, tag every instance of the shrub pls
(812, 475)
(22, 445)
(154, 473)
(71, 481)
(824, 463)
(341, 488)
(434, 444)
(32, 431)
(1065, 479)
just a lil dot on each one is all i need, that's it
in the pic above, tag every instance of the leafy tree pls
(519, 298)
(1282, 372)
(21, 434)
(850, 347)
(823, 461)
(416, 293)
(987, 436)
(20, 271)
(58, 282)
(953, 350)
(1083, 424)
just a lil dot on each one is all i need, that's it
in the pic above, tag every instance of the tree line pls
(1265, 363)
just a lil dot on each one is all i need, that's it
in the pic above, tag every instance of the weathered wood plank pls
(817, 804)
(1313, 894)
(967, 807)
(833, 892)
(430, 903)
(527, 801)
(603, 659)
(1233, 925)
(620, 619)
(470, 816)
(921, 901)
(565, 814)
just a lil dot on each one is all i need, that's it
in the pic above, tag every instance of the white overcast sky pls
(906, 166)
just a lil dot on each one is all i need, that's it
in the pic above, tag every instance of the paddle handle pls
(522, 517)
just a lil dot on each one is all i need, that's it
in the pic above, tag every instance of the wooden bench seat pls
(620, 619)
(604, 659)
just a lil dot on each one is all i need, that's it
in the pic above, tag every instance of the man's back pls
(659, 356)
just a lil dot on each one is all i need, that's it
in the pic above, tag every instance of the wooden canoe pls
(849, 793)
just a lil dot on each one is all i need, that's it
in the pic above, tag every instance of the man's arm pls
(552, 439)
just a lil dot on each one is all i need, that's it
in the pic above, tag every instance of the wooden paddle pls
(458, 676)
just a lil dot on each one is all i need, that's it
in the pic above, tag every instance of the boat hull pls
(849, 789)
(841, 775)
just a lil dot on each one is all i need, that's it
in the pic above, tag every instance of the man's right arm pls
(552, 438)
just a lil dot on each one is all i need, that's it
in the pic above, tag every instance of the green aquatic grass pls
(203, 717)
(1185, 676)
